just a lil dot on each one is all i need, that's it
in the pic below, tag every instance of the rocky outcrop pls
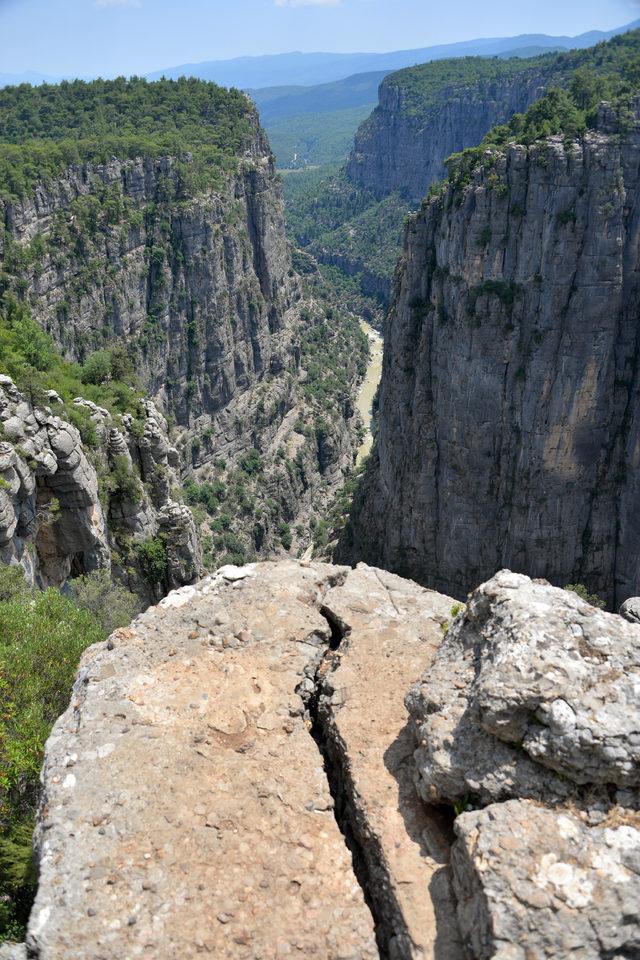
(186, 807)
(61, 515)
(402, 147)
(508, 431)
(531, 882)
(235, 776)
(194, 283)
(519, 702)
(533, 700)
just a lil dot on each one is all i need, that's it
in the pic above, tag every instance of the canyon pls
(427, 747)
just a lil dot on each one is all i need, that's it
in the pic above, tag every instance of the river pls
(368, 389)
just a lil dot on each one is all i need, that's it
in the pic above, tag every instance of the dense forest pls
(44, 129)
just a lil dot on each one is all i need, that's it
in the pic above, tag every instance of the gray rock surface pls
(403, 145)
(13, 951)
(630, 610)
(536, 884)
(199, 286)
(204, 313)
(510, 359)
(56, 521)
(186, 808)
(534, 693)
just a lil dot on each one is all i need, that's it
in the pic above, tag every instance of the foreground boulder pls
(534, 694)
(534, 884)
(187, 810)
(534, 699)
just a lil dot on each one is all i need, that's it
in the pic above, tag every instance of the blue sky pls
(137, 36)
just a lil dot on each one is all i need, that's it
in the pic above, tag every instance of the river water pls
(369, 387)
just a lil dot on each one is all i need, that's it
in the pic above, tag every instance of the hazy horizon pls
(111, 37)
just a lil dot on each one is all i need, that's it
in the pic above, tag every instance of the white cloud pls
(118, 3)
(307, 3)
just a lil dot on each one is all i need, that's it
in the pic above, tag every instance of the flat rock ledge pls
(187, 791)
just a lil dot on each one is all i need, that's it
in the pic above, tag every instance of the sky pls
(111, 37)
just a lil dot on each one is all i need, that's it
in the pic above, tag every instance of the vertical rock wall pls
(509, 407)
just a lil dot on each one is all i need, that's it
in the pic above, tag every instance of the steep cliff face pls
(403, 146)
(195, 281)
(354, 220)
(67, 510)
(509, 408)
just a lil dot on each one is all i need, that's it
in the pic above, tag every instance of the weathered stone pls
(630, 610)
(402, 149)
(534, 693)
(13, 951)
(539, 884)
(197, 805)
(392, 628)
(52, 519)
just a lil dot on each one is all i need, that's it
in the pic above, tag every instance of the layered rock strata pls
(402, 147)
(60, 517)
(511, 358)
(195, 281)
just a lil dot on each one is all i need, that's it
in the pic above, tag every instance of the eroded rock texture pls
(533, 884)
(187, 809)
(196, 281)
(59, 517)
(511, 359)
(533, 699)
(534, 693)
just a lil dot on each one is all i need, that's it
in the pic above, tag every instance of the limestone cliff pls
(68, 510)
(187, 268)
(509, 405)
(403, 145)
(195, 281)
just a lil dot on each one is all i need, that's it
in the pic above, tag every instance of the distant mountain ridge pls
(310, 69)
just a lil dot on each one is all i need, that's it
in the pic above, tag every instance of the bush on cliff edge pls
(42, 636)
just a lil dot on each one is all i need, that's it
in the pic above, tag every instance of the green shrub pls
(110, 604)
(123, 482)
(152, 557)
(581, 591)
(284, 532)
(97, 369)
(12, 582)
(251, 462)
(42, 635)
